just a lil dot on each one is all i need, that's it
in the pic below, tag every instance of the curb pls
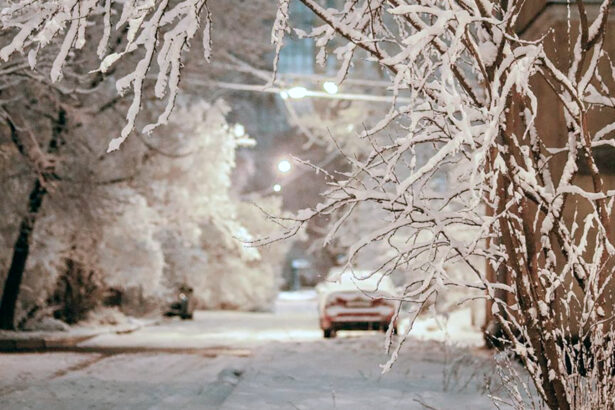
(51, 343)
(40, 344)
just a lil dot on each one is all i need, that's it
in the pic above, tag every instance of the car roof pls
(364, 280)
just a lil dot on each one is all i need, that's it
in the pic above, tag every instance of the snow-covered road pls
(229, 360)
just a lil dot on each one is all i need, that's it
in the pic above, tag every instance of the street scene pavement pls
(232, 360)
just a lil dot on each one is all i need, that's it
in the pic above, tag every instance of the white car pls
(356, 300)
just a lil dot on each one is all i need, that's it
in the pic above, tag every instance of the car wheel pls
(328, 333)
(385, 328)
(185, 317)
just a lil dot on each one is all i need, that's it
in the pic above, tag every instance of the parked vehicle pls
(184, 305)
(355, 300)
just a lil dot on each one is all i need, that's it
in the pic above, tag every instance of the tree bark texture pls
(21, 249)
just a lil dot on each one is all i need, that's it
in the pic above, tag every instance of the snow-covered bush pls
(262, 275)
(80, 286)
(232, 280)
(129, 254)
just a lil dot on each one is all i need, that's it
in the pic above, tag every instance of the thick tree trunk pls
(24, 237)
(20, 256)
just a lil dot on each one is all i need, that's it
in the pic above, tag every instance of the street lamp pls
(330, 87)
(239, 130)
(284, 166)
(297, 92)
(277, 188)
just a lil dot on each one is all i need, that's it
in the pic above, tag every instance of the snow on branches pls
(493, 164)
(152, 30)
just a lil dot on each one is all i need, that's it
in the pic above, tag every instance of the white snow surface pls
(454, 327)
(235, 360)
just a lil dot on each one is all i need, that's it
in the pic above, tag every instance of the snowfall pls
(275, 360)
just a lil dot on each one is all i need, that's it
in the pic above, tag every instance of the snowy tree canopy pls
(59, 109)
(155, 31)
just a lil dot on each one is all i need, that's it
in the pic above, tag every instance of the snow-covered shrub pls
(128, 252)
(256, 284)
(79, 288)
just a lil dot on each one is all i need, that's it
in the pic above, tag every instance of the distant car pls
(355, 301)
(184, 305)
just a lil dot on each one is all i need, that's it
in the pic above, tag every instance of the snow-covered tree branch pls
(150, 31)
(476, 177)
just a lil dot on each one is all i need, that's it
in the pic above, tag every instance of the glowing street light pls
(277, 188)
(284, 166)
(239, 130)
(330, 87)
(297, 92)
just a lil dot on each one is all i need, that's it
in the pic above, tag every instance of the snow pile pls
(456, 327)
(105, 316)
(45, 324)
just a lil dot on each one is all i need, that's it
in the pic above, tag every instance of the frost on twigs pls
(153, 31)
(477, 173)
(280, 29)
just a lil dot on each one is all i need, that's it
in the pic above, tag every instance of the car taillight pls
(336, 302)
